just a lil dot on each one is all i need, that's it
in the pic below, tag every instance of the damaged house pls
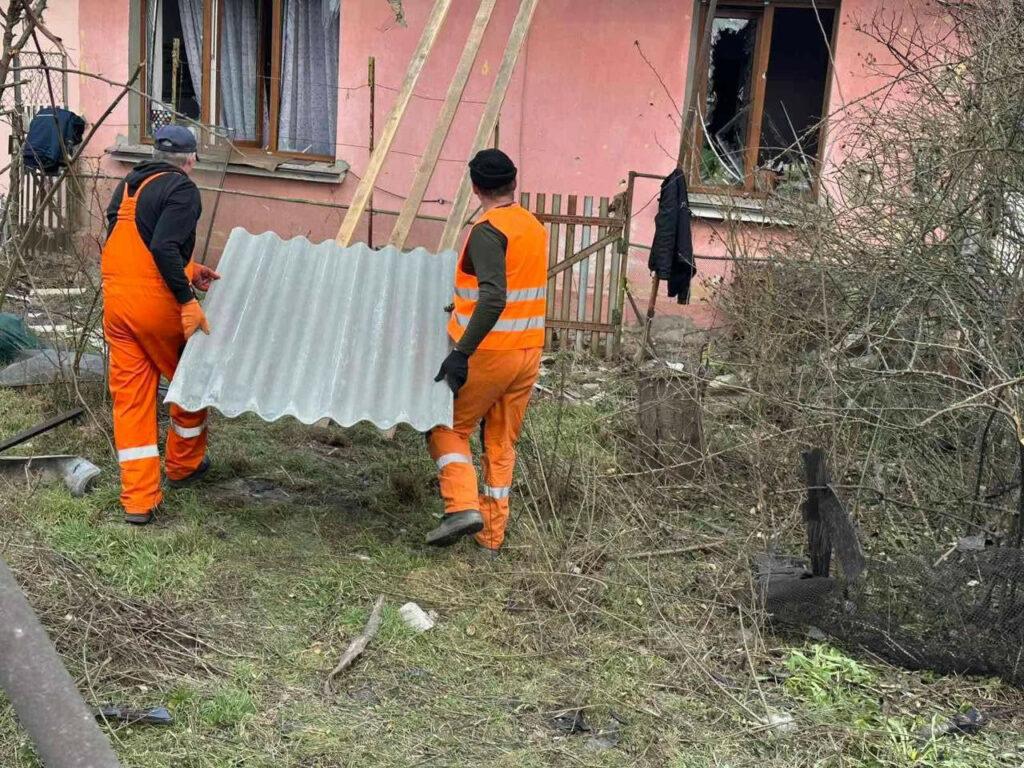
(593, 114)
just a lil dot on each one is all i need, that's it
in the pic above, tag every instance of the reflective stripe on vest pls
(521, 324)
(523, 294)
(509, 326)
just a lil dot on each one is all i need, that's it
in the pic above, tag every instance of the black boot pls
(141, 518)
(454, 526)
(194, 478)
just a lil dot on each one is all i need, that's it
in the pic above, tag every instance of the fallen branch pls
(357, 646)
(669, 552)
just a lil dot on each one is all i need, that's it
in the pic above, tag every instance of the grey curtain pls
(309, 76)
(191, 12)
(154, 50)
(239, 41)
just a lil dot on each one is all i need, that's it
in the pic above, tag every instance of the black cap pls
(491, 169)
(175, 138)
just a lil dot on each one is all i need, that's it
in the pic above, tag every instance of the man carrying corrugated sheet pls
(497, 327)
(149, 312)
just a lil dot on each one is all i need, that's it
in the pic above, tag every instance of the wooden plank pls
(582, 325)
(583, 282)
(432, 153)
(489, 119)
(584, 221)
(380, 152)
(599, 265)
(564, 312)
(556, 207)
(583, 253)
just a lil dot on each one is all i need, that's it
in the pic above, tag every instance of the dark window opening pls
(794, 97)
(729, 100)
(762, 98)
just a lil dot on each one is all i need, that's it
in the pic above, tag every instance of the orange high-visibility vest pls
(521, 325)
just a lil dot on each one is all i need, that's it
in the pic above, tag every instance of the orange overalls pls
(142, 326)
(502, 373)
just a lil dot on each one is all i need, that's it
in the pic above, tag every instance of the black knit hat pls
(491, 169)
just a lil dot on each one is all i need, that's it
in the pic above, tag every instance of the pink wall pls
(583, 108)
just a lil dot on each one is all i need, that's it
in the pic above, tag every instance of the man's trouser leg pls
(186, 435)
(449, 447)
(501, 428)
(186, 442)
(133, 385)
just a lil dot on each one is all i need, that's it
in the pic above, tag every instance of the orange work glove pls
(193, 319)
(202, 276)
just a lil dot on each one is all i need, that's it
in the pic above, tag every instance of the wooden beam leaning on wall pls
(485, 131)
(444, 123)
(380, 152)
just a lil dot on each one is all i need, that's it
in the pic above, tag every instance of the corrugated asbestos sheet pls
(315, 331)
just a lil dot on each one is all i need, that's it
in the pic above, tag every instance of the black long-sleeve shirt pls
(166, 215)
(485, 258)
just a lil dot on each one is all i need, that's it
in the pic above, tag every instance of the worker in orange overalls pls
(149, 311)
(497, 327)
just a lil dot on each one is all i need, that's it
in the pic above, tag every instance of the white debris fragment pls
(416, 618)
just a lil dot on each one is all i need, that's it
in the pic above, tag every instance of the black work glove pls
(454, 370)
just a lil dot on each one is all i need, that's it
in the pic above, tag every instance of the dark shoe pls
(194, 478)
(140, 518)
(484, 554)
(454, 526)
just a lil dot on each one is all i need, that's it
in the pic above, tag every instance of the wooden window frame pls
(764, 12)
(210, 29)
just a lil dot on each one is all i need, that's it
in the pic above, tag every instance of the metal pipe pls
(44, 696)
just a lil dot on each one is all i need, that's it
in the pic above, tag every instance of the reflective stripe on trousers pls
(452, 458)
(188, 433)
(496, 493)
(135, 454)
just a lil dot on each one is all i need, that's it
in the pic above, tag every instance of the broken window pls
(273, 66)
(762, 99)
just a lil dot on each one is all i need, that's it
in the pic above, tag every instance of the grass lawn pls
(233, 608)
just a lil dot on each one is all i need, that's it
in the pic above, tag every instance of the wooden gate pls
(586, 269)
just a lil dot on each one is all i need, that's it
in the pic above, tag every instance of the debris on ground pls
(608, 737)
(357, 646)
(778, 723)
(76, 473)
(569, 721)
(15, 338)
(39, 429)
(247, 489)
(122, 714)
(961, 724)
(48, 366)
(416, 618)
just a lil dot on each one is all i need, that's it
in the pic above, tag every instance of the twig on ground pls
(704, 546)
(357, 646)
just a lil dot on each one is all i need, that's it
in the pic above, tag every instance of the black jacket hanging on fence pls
(51, 133)
(672, 250)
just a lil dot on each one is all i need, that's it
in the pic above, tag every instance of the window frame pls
(210, 102)
(764, 12)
